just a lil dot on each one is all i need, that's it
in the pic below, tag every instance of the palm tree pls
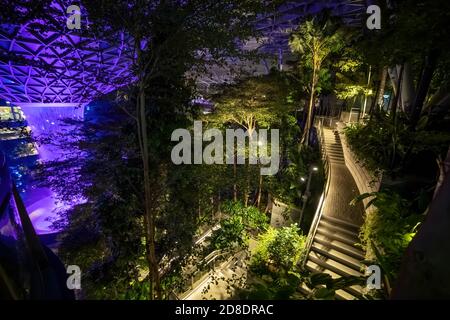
(314, 42)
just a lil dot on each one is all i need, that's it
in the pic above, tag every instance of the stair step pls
(333, 265)
(337, 256)
(341, 230)
(334, 236)
(339, 294)
(341, 222)
(337, 159)
(338, 154)
(304, 289)
(335, 155)
(340, 246)
(337, 162)
(355, 291)
(343, 295)
(334, 147)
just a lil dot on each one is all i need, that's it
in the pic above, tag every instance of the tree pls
(249, 104)
(314, 41)
(168, 38)
(100, 178)
(408, 38)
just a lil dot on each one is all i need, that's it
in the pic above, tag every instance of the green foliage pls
(388, 230)
(346, 91)
(252, 218)
(283, 288)
(288, 187)
(316, 41)
(253, 102)
(321, 287)
(407, 33)
(105, 236)
(231, 234)
(383, 145)
(278, 250)
(324, 287)
(237, 226)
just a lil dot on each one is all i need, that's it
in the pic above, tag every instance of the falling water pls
(41, 203)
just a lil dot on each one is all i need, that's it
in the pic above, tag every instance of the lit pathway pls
(334, 249)
(343, 188)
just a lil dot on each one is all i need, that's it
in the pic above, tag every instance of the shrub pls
(388, 230)
(278, 250)
(240, 221)
(383, 145)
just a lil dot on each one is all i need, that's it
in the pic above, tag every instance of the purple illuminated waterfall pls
(47, 120)
(42, 204)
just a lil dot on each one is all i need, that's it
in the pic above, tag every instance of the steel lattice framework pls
(277, 26)
(41, 65)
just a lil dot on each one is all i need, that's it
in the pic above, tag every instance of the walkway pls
(334, 249)
(218, 284)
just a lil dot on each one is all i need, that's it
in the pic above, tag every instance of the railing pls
(43, 273)
(319, 210)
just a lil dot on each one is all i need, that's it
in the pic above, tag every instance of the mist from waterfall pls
(44, 121)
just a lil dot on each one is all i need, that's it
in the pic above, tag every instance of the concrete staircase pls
(334, 248)
(334, 251)
(333, 147)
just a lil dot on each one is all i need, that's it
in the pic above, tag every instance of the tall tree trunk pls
(149, 216)
(308, 124)
(383, 77)
(424, 84)
(365, 95)
(247, 185)
(149, 213)
(374, 100)
(258, 198)
(235, 178)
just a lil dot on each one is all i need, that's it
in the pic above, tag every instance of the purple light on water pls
(45, 120)
(42, 204)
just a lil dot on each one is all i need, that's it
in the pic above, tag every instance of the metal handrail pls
(319, 210)
(38, 257)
